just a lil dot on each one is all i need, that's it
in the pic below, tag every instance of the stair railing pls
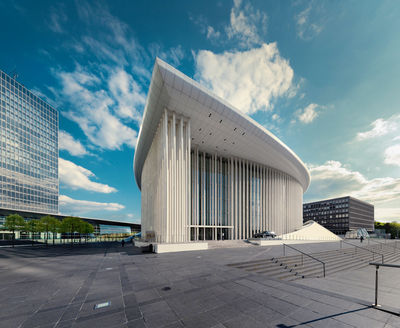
(377, 265)
(365, 249)
(387, 244)
(302, 256)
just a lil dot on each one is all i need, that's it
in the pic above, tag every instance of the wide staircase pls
(310, 266)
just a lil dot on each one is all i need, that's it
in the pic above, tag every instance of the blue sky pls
(323, 76)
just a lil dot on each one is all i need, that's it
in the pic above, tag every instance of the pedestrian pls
(361, 238)
(123, 242)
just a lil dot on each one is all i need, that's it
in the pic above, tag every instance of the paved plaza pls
(61, 286)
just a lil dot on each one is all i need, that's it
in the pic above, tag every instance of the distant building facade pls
(28, 150)
(340, 215)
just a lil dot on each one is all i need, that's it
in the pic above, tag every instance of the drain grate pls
(102, 305)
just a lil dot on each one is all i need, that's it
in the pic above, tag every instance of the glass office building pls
(28, 150)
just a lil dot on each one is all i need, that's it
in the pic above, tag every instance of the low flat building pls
(340, 215)
(100, 226)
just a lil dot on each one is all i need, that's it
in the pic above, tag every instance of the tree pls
(32, 226)
(45, 225)
(86, 229)
(54, 227)
(14, 222)
(71, 225)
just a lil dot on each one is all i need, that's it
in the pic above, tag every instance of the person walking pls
(123, 242)
(361, 239)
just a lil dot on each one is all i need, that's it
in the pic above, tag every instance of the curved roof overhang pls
(216, 126)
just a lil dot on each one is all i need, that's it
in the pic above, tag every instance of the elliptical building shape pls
(208, 172)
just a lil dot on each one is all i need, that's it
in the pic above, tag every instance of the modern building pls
(208, 172)
(340, 215)
(28, 150)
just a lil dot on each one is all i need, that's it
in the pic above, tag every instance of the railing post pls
(376, 286)
(284, 251)
(323, 264)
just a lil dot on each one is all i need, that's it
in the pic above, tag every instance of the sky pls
(323, 76)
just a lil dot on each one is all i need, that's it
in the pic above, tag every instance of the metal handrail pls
(365, 249)
(386, 244)
(377, 265)
(284, 254)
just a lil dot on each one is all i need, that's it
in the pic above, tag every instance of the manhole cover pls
(102, 305)
(166, 288)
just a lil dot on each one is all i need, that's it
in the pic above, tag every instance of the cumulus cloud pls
(71, 145)
(333, 179)
(308, 114)
(306, 28)
(69, 205)
(392, 155)
(78, 177)
(250, 80)
(380, 127)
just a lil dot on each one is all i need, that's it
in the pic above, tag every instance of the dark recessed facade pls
(340, 215)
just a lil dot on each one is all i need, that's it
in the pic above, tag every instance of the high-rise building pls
(340, 215)
(28, 150)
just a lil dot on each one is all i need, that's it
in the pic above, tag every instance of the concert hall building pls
(208, 172)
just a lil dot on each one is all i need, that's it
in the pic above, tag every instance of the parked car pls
(265, 234)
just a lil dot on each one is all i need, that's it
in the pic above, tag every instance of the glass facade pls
(28, 150)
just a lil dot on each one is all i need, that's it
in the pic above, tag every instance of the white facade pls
(208, 172)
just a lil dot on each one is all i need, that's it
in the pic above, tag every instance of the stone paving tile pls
(63, 285)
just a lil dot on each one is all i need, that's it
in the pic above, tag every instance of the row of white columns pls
(194, 195)
(166, 201)
(241, 197)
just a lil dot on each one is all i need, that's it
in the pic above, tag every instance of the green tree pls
(71, 225)
(14, 222)
(45, 225)
(86, 229)
(32, 226)
(54, 227)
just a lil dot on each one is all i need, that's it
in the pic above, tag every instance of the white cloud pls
(106, 95)
(127, 93)
(68, 143)
(250, 80)
(69, 205)
(333, 179)
(380, 127)
(306, 29)
(93, 107)
(245, 24)
(387, 214)
(212, 34)
(392, 155)
(78, 177)
(308, 114)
